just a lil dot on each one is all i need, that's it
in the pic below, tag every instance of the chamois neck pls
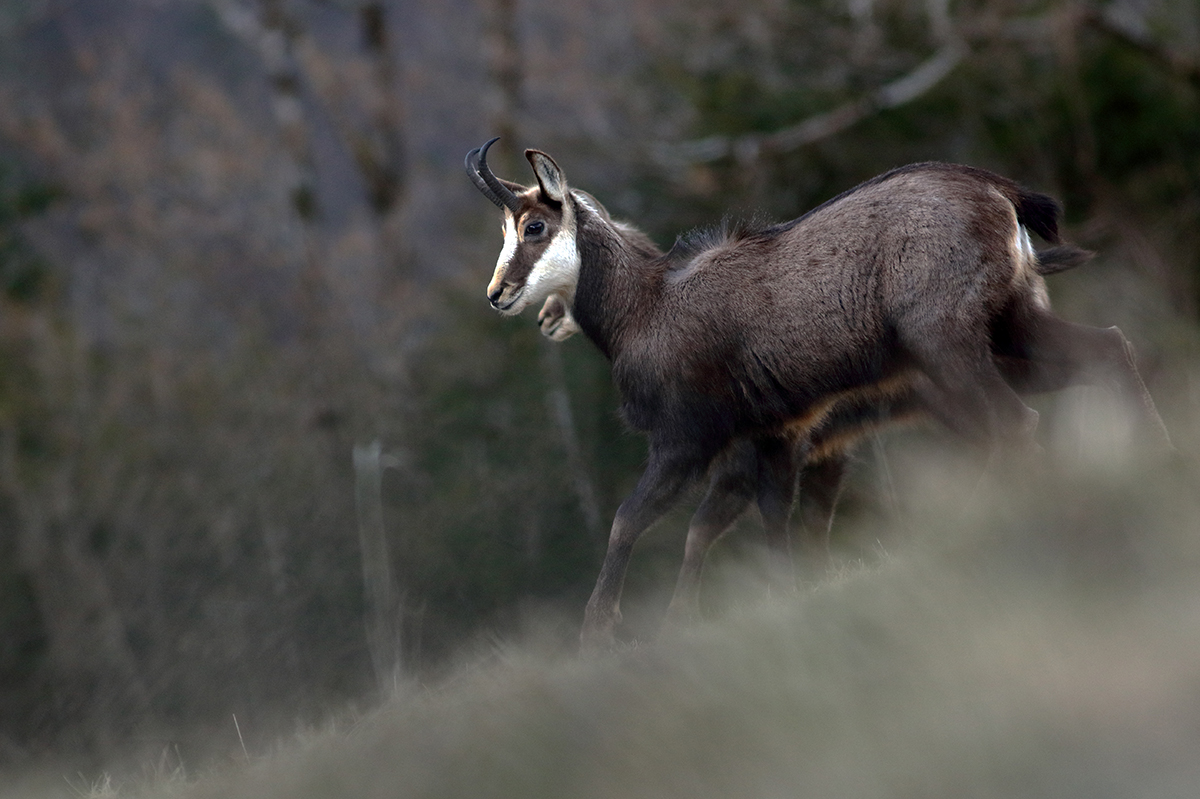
(620, 279)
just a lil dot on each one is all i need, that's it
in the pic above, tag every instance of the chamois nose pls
(494, 296)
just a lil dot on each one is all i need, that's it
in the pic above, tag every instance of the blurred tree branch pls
(380, 151)
(506, 66)
(272, 33)
(748, 147)
(383, 596)
(1124, 24)
(558, 403)
(1119, 22)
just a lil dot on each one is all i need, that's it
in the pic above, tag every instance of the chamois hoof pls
(554, 320)
(680, 614)
(595, 642)
(599, 633)
(553, 329)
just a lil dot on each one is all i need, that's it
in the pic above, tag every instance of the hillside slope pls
(1037, 643)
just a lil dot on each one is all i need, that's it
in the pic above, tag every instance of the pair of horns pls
(481, 175)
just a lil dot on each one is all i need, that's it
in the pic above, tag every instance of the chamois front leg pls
(820, 489)
(668, 472)
(730, 489)
(777, 467)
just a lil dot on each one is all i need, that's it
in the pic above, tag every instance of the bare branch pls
(1124, 24)
(383, 595)
(559, 403)
(271, 33)
(905, 89)
(927, 75)
(1119, 23)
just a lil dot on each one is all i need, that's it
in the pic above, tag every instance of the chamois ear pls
(592, 203)
(549, 176)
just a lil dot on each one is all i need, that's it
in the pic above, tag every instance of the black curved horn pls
(472, 166)
(488, 183)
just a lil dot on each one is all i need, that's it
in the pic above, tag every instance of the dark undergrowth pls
(1032, 632)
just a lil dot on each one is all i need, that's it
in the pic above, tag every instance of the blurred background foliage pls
(236, 244)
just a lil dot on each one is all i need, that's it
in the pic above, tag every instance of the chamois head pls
(540, 256)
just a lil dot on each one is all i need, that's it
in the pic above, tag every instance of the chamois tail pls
(1039, 213)
(1061, 258)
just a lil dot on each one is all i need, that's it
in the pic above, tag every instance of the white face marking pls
(506, 253)
(556, 272)
(510, 242)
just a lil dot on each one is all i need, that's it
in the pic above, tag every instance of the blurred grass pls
(1036, 633)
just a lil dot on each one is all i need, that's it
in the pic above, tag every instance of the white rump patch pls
(1026, 260)
(1023, 249)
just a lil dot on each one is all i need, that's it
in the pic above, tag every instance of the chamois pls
(822, 454)
(910, 282)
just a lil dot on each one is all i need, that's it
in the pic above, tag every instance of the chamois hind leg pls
(966, 391)
(731, 487)
(1034, 377)
(669, 471)
(777, 467)
(1055, 353)
(831, 444)
(820, 489)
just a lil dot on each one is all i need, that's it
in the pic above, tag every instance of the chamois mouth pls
(505, 306)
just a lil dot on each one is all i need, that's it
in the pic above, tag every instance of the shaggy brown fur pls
(923, 278)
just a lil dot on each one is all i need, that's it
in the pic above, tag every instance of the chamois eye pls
(534, 228)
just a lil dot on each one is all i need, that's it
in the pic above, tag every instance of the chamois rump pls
(922, 282)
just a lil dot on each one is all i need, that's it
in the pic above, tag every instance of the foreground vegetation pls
(1030, 635)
